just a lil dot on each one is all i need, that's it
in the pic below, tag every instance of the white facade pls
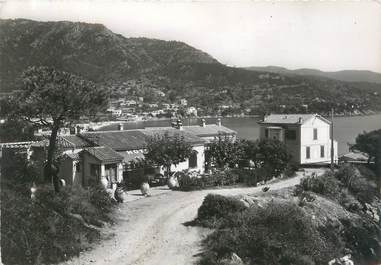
(319, 145)
(200, 165)
(307, 137)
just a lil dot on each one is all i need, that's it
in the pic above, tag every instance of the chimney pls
(179, 124)
(203, 123)
(120, 126)
(219, 122)
(300, 120)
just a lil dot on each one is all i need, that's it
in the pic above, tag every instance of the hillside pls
(345, 75)
(91, 50)
(166, 71)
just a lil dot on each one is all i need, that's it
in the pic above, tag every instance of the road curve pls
(150, 231)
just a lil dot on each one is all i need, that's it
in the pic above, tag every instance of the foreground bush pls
(217, 206)
(53, 227)
(281, 233)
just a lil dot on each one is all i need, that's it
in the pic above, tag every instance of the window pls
(308, 152)
(290, 134)
(267, 133)
(193, 160)
(322, 151)
(315, 133)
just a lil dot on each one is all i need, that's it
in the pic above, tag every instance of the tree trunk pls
(168, 170)
(50, 173)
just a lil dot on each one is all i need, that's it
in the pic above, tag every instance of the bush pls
(216, 206)
(325, 184)
(53, 227)
(188, 181)
(360, 183)
(280, 233)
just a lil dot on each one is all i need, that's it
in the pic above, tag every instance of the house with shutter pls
(306, 136)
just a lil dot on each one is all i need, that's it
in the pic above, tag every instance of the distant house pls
(307, 136)
(114, 112)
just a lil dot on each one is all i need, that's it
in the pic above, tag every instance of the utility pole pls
(332, 151)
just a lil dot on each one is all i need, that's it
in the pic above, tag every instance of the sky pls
(329, 35)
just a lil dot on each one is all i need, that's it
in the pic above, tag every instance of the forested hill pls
(91, 50)
(344, 75)
(165, 71)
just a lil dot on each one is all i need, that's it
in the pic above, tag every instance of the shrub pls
(51, 228)
(360, 183)
(325, 184)
(188, 181)
(216, 206)
(280, 233)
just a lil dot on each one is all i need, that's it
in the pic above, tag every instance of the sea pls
(345, 128)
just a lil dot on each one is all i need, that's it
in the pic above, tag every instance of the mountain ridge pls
(90, 50)
(167, 71)
(341, 75)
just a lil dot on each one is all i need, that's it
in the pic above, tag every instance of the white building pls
(307, 136)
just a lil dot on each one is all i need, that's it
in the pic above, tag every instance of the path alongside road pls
(150, 231)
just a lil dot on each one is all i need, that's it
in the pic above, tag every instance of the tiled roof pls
(73, 156)
(77, 141)
(117, 140)
(135, 139)
(65, 141)
(208, 130)
(290, 118)
(104, 154)
(188, 137)
(17, 144)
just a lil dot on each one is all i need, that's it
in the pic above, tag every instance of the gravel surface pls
(150, 230)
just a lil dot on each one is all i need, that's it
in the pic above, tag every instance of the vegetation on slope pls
(322, 219)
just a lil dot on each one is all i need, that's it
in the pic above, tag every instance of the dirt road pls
(150, 231)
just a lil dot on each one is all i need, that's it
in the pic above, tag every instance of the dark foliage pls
(216, 206)
(52, 227)
(280, 233)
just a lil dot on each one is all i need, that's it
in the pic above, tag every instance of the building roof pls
(135, 139)
(117, 140)
(104, 154)
(188, 137)
(208, 130)
(290, 118)
(355, 156)
(65, 141)
(17, 145)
